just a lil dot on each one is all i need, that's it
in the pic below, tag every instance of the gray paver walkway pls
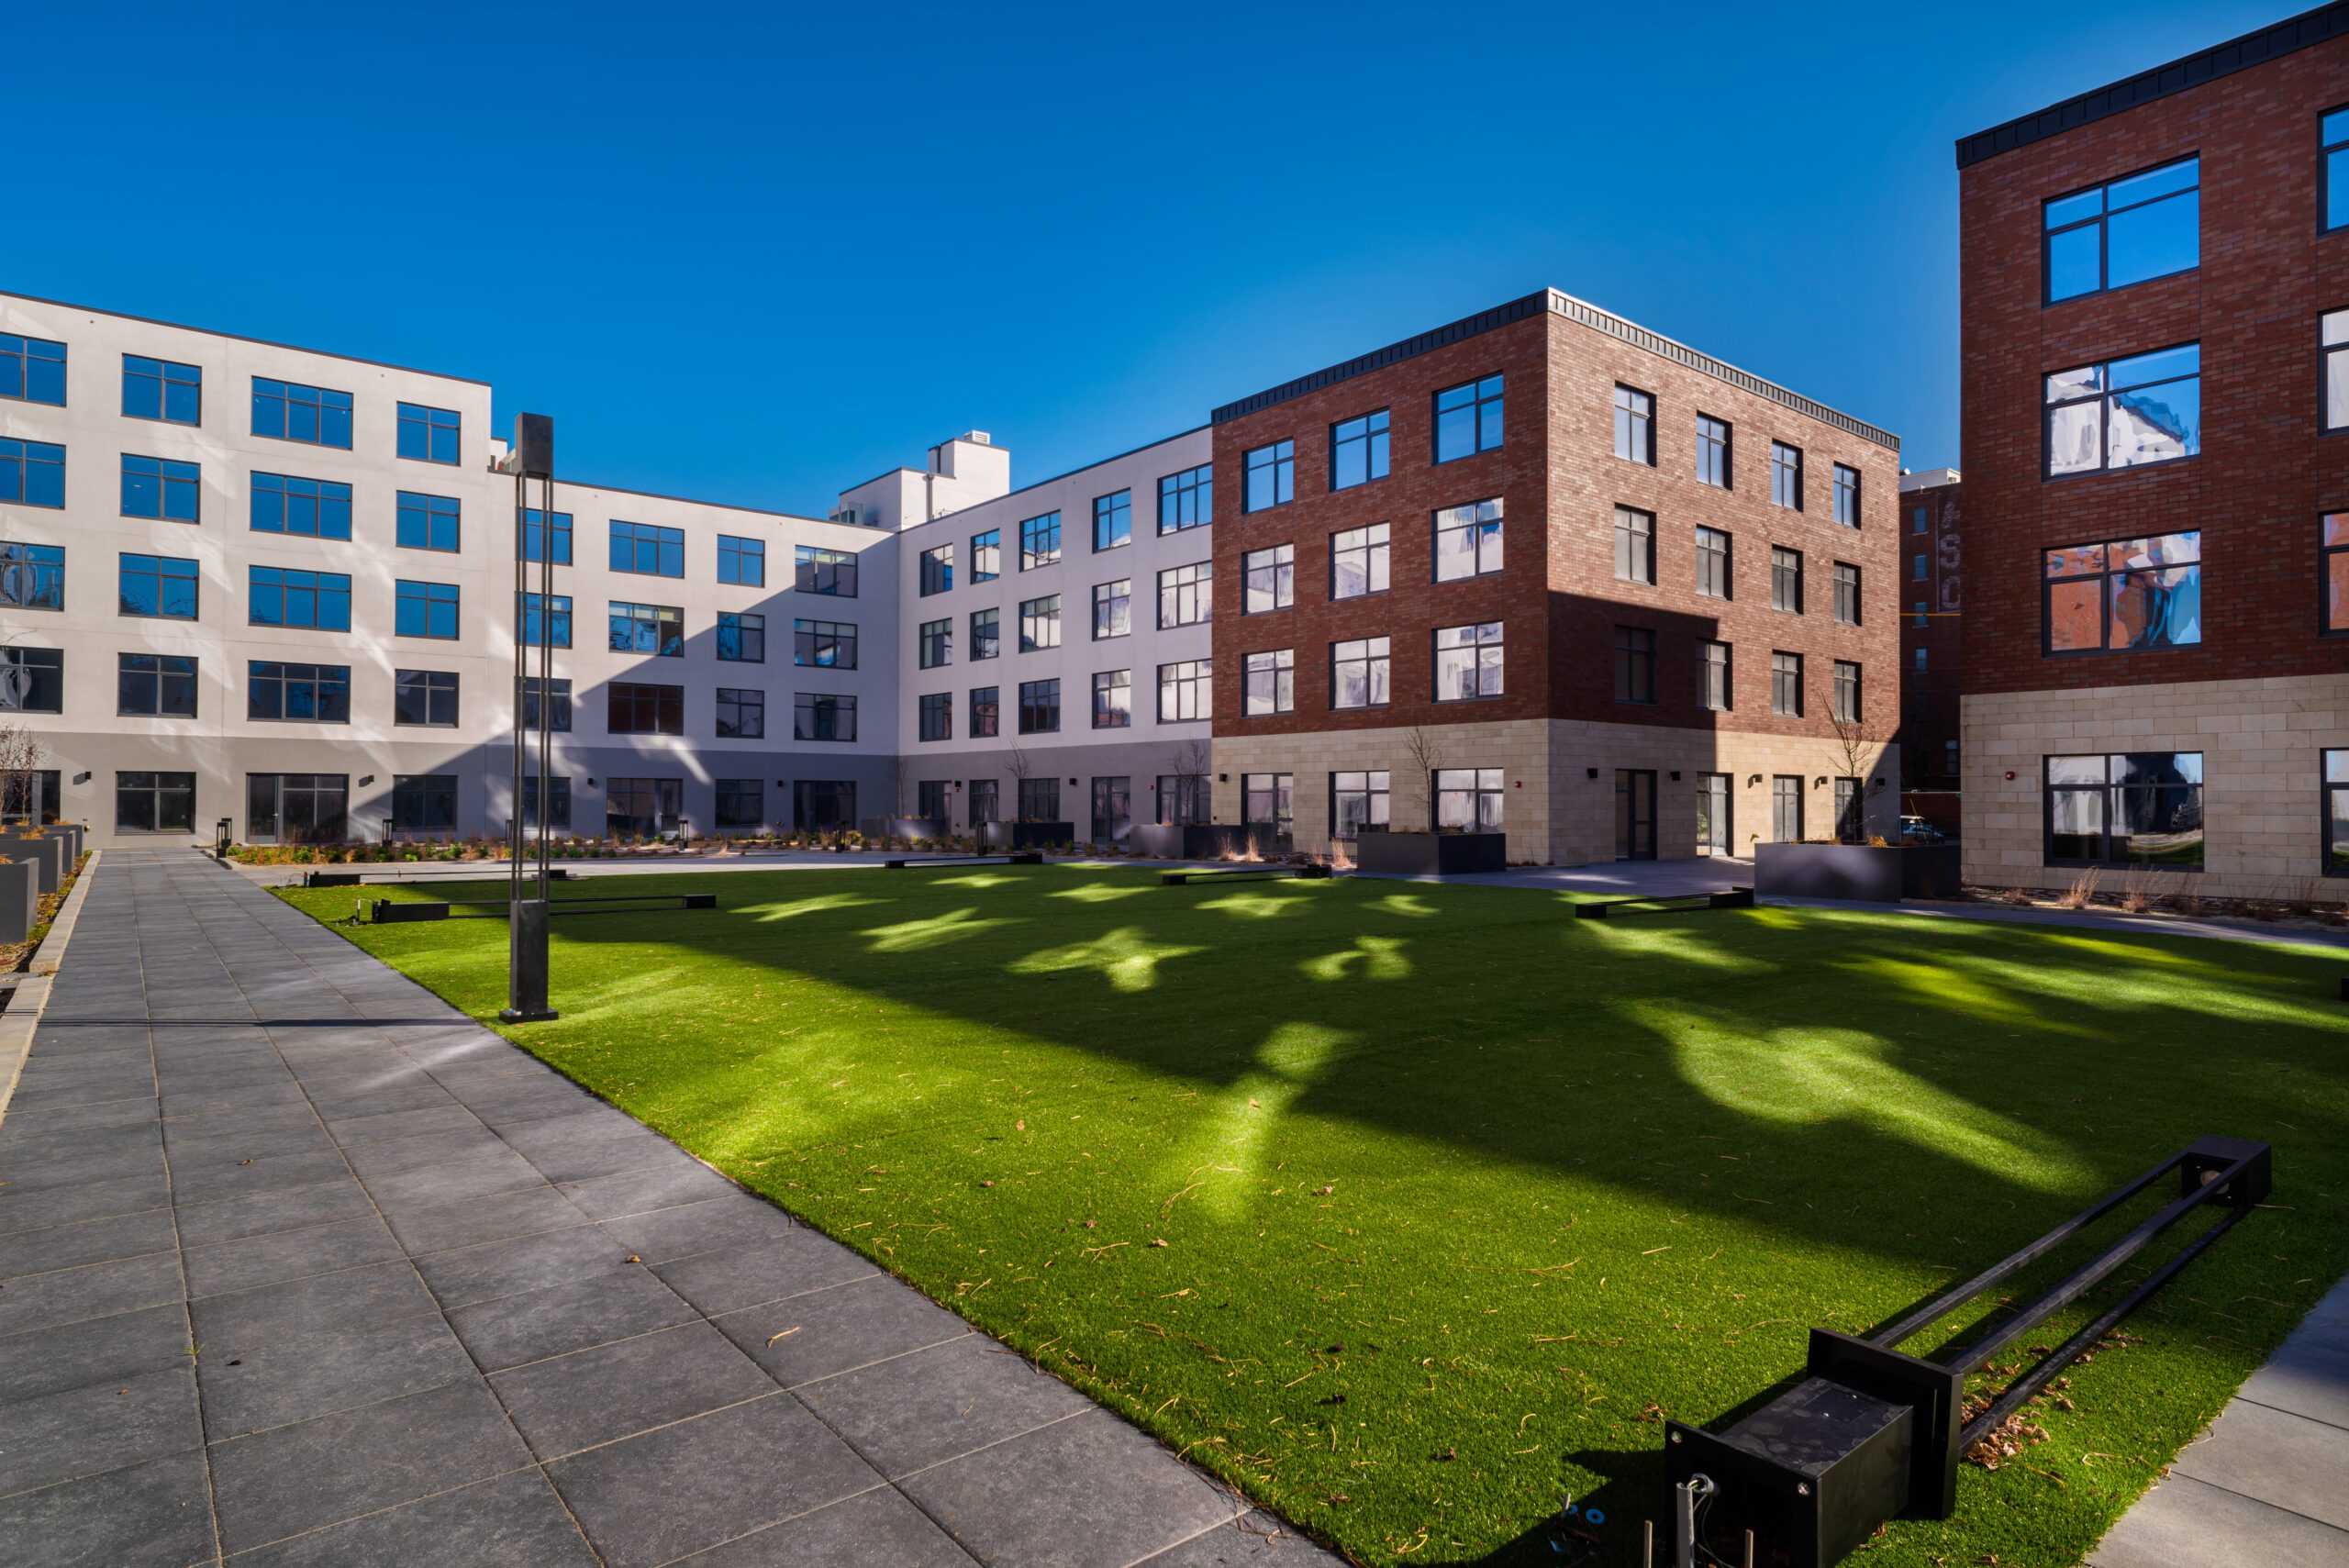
(299, 1266)
(2263, 1484)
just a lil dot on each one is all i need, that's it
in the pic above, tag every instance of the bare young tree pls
(1854, 750)
(1021, 767)
(22, 752)
(1193, 760)
(1426, 749)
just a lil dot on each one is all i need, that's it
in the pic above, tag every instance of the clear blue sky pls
(759, 256)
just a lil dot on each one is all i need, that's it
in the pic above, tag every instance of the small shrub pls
(2082, 893)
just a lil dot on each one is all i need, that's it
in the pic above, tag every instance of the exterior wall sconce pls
(1590, 772)
(1755, 779)
(84, 778)
(362, 783)
(1675, 775)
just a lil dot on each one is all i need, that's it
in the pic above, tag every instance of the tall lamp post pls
(532, 457)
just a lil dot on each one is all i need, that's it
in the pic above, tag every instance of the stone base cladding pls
(2262, 743)
(1555, 812)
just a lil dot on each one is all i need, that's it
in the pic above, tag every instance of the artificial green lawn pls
(1459, 1196)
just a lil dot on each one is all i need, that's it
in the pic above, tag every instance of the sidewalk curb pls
(22, 1017)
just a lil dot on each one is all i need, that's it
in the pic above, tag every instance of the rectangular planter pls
(1860, 872)
(902, 827)
(46, 853)
(1430, 854)
(1201, 841)
(19, 899)
(1000, 836)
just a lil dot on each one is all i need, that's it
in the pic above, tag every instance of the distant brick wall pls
(1928, 696)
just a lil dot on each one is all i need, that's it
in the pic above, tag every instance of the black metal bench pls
(390, 912)
(370, 879)
(1015, 858)
(1244, 874)
(1607, 909)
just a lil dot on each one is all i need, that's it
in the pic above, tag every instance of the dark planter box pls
(1430, 854)
(1200, 840)
(1001, 836)
(46, 853)
(902, 827)
(19, 900)
(1861, 872)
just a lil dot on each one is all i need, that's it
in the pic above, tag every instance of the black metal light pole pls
(526, 991)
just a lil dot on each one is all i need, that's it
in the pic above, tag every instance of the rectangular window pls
(634, 708)
(32, 576)
(165, 589)
(1785, 809)
(986, 556)
(1185, 691)
(1847, 593)
(158, 488)
(297, 694)
(936, 567)
(32, 369)
(742, 636)
(742, 563)
(1469, 800)
(2335, 811)
(310, 509)
(427, 522)
(982, 805)
(2147, 225)
(1847, 497)
(36, 795)
(742, 715)
(1468, 662)
(814, 571)
(1113, 699)
(1468, 540)
(2333, 339)
(1360, 672)
(823, 644)
(1358, 561)
(1358, 451)
(1268, 579)
(742, 803)
(656, 630)
(1921, 660)
(1715, 689)
(1634, 664)
(1040, 708)
(558, 798)
(1844, 700)
(1468, 418)
(2333, 569)
(297, 808)
(559, 710)
(639, 808)
(2130, 595)
(1040, 542)
(32, 474)
(154, 803)
(2333, 134)
(424, 802)
(426, 609)
(288, 411)
(1786, 684)
(32, 680)
(1270, 682)
(546, 620)
(1785, 476)
(934, 645)
(535, 539)
(648, 550)
(1713, 451)
(1786, 579)
(1358, 800)
(986, 634)
(1918, 520)
(1183, 799)
(1634, 425)
(1634, 545)
(153, 389)
(1713, 579)
(2144, 808)
(427, 435)
(154, 685)
(1040, 624)
(1186, 500)
(937, 721)
(2125, 414)
(1112, 608)
(1271, 476)
(1113, 520)
(1040, 799)
(1917, 570)
(1269, 800)
(1185, 595)
(426, 697)
(986, 718)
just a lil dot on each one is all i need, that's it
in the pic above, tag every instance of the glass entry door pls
(1113, 811)
(1713, 826)
(1635, 814)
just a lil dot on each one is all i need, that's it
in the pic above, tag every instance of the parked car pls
(1917, 831)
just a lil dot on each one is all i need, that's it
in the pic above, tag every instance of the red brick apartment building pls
(2156, 333)
(1545, 570)
(1931, 677)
